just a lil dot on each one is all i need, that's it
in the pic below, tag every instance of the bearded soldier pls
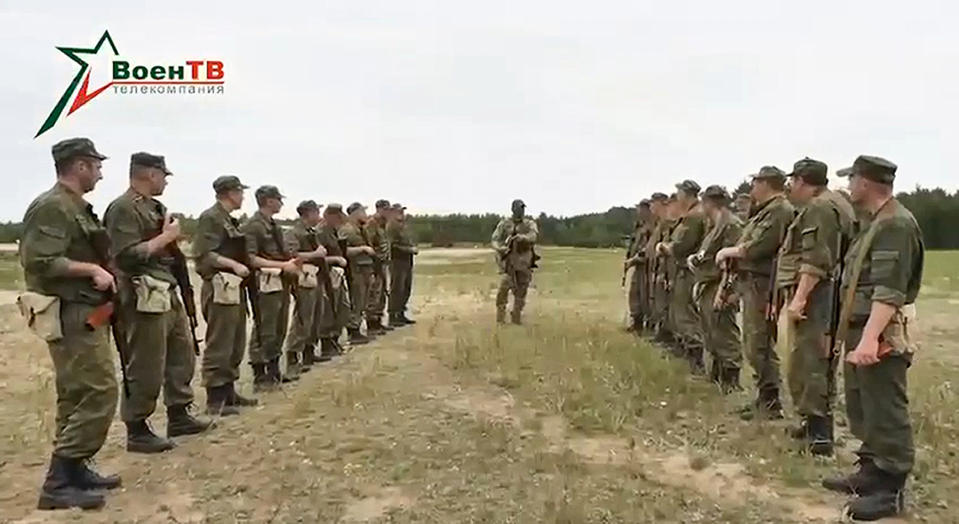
(806, 276)
(513, 240)
(755, 256)
(65, 254)
(880, 283)
(159, 344)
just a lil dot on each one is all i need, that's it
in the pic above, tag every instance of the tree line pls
(936, 211)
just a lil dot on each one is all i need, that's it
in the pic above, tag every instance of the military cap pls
(143, 159)
(353, 207)
(716, 193)
(333, 208)
(382, 204)
(307, 205)
(659, 197)
(268, 192)
(769, 173)
(73, 147)
(225, 183)
(398, 207)
(811, 171)
(518, 202)
(689, 187)
(643, 203)
(873, 168)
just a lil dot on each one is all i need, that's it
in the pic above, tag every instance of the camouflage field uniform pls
(337, 309)
(402, 250)
(361, 272)
(684, 241)
(376, 304)
(264, 239)
(308, 304)
(514, 267)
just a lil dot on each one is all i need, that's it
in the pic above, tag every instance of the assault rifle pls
(106, 313)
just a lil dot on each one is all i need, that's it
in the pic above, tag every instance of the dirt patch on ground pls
(377, 505)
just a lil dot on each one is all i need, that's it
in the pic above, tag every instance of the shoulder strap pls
(885, 212)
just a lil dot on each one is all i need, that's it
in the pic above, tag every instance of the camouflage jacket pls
(815, 239)
(329, 239)
(401, 243)
(217, 233)
(520, 254)
(639, 240)
(376, 234)
(724, 233)
(130, 220)
(59, 227)
(763, 234)
(264, 238)
(688, 234)
(352, 234)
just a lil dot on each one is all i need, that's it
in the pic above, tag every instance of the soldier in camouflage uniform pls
(685, 241)
(308, 305)
(376, 234)
(513, 241)
(402, 251)
(806, 279)
(638, 289)
(755, 256)
(276, 272)
(658, 206)
(64, 252)
(360, 255)
(880, 283)
(716, 307)
(155, 326)
(336, 299)
(219, 248)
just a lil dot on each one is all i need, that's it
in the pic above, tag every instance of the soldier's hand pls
(103, 280)
(796, 309)
(339, 261)
(291, 266)
(240, 270)
(725, 253)
(866, 353)
(369, 250)
(171, 228)
(320, 252)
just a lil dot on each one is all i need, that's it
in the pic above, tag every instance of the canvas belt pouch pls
(153, 295)
(226, 288)
(42, 313)
(270, 280)
(337, 274)
(900, 332)
(307, 278)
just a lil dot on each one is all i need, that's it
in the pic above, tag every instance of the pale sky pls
(452, 106)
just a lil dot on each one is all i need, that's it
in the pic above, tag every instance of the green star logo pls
(82, 95)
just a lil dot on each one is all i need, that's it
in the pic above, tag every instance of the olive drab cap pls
(355, 206)
(149, 160)
(689, 187)
(659, 197)
(873, 168)
(811, 171)
(770, 172)
(268, 192)
(73, 147)
(382, 204)
(717, 193)
(307, 205)
(225, 183)
(398, 207)
(518, 202)
(333, 208)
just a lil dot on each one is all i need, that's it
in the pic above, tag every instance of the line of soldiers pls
(126, 276)
(812, 272)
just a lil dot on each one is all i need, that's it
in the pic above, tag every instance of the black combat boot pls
(142, 439)
(405, 319)
(694, 355)
(766, 407)
(819, 435)
(327, 349)
(866, 480)
(374, 327)
(217, 401)
(273, 371)
(307, 359)
(357, 338)
(515, 317)
(61, 489)
(235, 399)
(396, 322)
(182, 422)
(887, 501)
(729, 380)
(89, 479)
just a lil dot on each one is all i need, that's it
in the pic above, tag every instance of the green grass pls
(11, 275)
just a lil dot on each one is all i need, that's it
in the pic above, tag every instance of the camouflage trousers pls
(517, 282)
(809, 372)
(269, 331)
(376, 303)
(719, 328)
(660, 301)
(336, 309)
(877, 405)
(638, 294)
(360, 279)
(86, 384)
(401, 285)
(757, 344)
(685, 314)
(225, 338)
(159, 355)
(307, 312)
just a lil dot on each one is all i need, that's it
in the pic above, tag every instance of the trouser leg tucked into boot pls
(61, 489)
(217, 401)
(142, 439)
(181, 422)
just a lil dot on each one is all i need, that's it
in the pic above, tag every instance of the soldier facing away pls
(880, 283)
(806, 280)
(755, 256)
(513, 240)
(64, 253)
(219, 248)
(158, 345)
(402, 250)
